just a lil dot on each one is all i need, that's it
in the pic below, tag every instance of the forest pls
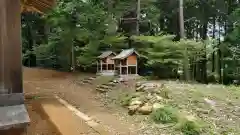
(71, 36)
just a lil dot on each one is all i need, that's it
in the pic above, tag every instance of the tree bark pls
(204, 61)
(213, 36)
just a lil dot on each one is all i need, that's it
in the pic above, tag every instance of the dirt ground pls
(42, 82)
(40, 124)
(191, 97)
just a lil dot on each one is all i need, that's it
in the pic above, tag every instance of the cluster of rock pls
(87, 80)
(146, 99)
(107, 86)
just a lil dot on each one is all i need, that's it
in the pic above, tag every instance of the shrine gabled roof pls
(105, 54)
(125, 53)
(40, 6)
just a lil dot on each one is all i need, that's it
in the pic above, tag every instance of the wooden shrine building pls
(105, 64)
(12, 110)
(126, 62)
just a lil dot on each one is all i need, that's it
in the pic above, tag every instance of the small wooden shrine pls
(105, 64)
(126, 62)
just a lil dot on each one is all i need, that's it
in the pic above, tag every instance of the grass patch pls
(188, 127)
(125, 99)
(32, 97)
(103, 79)
(165, 115)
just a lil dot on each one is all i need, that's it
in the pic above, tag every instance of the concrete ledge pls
(11, 99)
(13, 117)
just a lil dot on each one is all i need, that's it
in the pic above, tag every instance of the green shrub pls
(190, 127)
(165, 115)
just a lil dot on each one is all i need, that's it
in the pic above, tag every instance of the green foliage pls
(165, 54)
(234, 36)
(165, 115)
(72, 26)
(188, 127)
(75, 32)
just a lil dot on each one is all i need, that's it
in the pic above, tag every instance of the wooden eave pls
(39, 6)
(125, 53)
(106, 54)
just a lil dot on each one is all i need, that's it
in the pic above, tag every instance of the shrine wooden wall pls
(132, 59)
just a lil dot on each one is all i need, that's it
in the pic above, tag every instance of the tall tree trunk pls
(73, 68)
(162, 23)
(31, 41)
(219, 61)
(204, 61)
(213, 36)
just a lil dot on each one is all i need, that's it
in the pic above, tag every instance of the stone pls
(114, 81)
(150, 85)
(135, 102)
(86, 81)
(145, 109)
(154, 98)
(199, 110)
(101, 90)
(121, 79)
(157, 91)
(210, 102)
(159, 98)
(91, 78)
(137, 94)
(138, 84)
(141, 88)
(111, 84)
(147, 87)
(157, 106)
(132, 109)
(15, 116)
(149, 96)
(103, 87)
(80, 83)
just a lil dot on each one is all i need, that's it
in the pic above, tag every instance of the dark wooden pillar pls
(2, 41)
(10, 47)
(13, 113)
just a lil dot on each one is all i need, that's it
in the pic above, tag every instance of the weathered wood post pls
(101, 65)
(120, 67)
(12, 109)
(97, 67)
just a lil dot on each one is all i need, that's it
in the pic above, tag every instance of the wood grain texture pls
(39, 6)
(10, 37)
(132, 59)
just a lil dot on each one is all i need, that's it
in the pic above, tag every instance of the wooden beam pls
(39, 6)
(120, 67)
(10, 36)
(3, 37)
(101, 65)
(97, 67)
